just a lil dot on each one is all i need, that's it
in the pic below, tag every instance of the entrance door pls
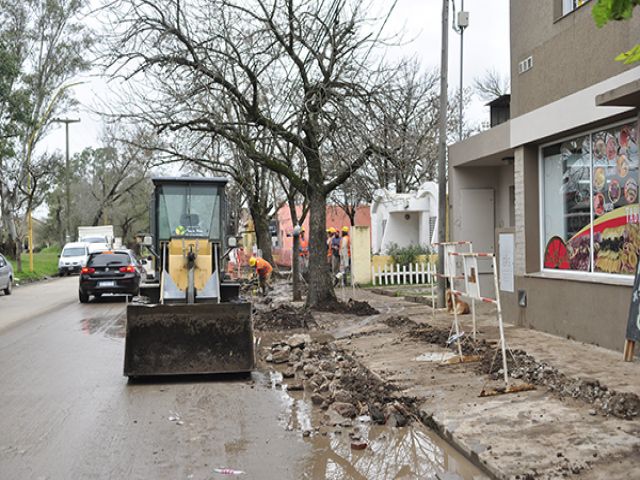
(478, 221)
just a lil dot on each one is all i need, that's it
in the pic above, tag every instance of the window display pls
(590, 202)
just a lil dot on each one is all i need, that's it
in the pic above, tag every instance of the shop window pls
(590, 202)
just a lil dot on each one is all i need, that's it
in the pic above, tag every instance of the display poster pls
(633, 323)
(471, 280)
(592, 224)
(506, 247)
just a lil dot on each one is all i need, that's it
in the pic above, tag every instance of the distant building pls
(560, 176)
(283, 226)
(404, 219)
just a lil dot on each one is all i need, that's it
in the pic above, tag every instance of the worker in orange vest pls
(330, 236)
(303, 244)
(263, 270)
(345, 253)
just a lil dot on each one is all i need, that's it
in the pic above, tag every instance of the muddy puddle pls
(112, 326)
(412, 452)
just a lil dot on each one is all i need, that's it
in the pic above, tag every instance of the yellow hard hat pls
(331, 230)
(301, 229)
(345, 229)
(252, 261)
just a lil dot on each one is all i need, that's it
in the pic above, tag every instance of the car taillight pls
(128, 269)
(88, 270)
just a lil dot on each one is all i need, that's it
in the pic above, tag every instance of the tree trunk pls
(18, 254)
(320, 282)
(263, 235)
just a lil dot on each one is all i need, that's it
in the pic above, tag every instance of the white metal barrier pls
(413, 274)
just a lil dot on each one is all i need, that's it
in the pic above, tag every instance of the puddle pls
(392, 453)
(435, 357)
(112, 326)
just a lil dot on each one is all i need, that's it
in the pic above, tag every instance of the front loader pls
(195, 323)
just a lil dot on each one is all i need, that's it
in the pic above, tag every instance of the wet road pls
(68, 413)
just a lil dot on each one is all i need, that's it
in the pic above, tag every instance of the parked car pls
(6, 275)
(110, 271)
(73, 258)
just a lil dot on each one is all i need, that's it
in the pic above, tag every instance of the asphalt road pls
(68, 413)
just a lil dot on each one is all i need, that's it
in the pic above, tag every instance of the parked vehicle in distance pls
(110, 271)
(6, 275)
(73, 258)
(96, 244)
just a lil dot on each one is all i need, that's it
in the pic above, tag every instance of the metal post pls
(461, 73)
(500, 324)
(442, 152)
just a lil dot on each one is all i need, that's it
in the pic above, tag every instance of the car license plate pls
(107, 284)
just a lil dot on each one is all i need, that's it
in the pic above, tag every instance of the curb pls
(429, 421)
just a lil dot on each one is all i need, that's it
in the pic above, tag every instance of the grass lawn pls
(45, 264)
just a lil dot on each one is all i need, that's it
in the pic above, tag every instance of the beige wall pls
(588, 312)
(569, 53)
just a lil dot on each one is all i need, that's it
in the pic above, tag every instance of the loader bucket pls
(182, 339)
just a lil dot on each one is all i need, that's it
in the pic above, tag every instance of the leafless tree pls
(491, 85)
(297, 72)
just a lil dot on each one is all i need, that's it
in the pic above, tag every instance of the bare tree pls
(297, 72)
(43, 43)
(491, 85)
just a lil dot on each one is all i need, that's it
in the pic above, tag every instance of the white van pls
(73, 258)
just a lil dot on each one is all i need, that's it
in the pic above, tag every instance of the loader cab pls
(188, 208)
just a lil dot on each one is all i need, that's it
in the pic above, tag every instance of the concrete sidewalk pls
(535, 434)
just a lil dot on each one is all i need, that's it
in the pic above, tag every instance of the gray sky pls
(486, 46)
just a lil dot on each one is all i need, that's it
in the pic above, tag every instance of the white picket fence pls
(415, 274)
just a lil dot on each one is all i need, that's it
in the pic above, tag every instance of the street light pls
(66, 122)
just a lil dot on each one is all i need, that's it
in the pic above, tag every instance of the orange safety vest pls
(348, 243)
(304, 248)
(263, 268)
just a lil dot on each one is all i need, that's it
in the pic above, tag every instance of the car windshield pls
(94, 240)
(74, 252)
(109, 259)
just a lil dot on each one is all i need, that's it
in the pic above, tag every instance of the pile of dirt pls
(526, 368)
(399, 321)
(352, 307)
(339, 384)
(430, 334)
(283, 317)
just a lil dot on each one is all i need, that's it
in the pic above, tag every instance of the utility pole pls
(442, 153)
(67, 175)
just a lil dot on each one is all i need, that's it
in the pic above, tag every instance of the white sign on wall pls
(506, 244)
(449, 261)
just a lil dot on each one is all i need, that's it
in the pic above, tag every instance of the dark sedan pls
(109, 272)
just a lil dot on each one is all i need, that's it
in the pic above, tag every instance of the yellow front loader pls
(195, 322)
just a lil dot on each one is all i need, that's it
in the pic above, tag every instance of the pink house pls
(283, 242)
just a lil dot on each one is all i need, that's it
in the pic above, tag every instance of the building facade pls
(561, 175)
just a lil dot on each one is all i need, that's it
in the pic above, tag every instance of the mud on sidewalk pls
(581, 421)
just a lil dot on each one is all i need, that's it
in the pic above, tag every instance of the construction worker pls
(335, 251)
(330, 235)
(263, 270)
(345, 253)
(303, 245)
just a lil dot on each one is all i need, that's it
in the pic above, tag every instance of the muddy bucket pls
(184, 339)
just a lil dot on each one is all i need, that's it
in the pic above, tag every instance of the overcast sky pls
(486, 46)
